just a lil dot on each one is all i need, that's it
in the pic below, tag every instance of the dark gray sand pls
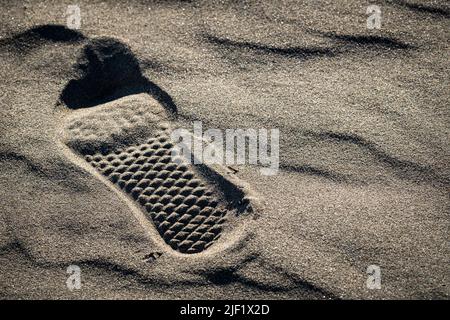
(364, 147)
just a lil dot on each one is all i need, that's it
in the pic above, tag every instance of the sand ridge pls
(363, 118)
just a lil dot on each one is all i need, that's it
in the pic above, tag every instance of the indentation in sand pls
(128, 142)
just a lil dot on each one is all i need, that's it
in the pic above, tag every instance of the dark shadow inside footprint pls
(108, 70)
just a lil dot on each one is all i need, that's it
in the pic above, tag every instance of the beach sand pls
(364, 169)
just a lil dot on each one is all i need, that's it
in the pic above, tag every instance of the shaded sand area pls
(364, 129)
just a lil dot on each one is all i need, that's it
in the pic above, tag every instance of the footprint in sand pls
(120, 123)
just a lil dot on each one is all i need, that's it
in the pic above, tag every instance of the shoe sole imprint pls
(128, 142)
